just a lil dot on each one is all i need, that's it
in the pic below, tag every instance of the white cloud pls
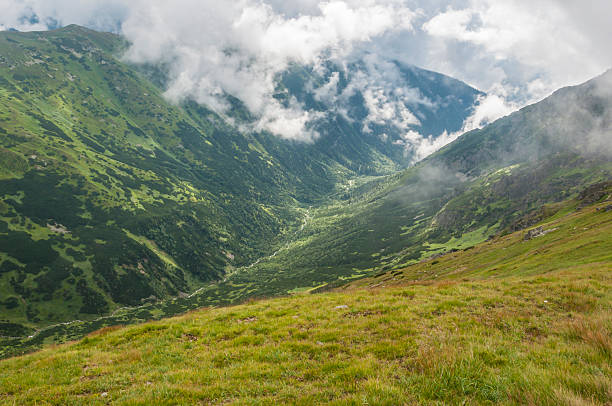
(418, 147)
(531, 48)
(488, 109)
(329, 91)
(518, 51)
(386, 95)
(239, 49)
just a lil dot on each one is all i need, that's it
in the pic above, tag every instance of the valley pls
(113, 197)
(502, 322)
(140, 232)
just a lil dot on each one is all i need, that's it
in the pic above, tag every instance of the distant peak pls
(73, 27)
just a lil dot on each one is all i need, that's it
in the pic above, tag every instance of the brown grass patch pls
(594, 332)
(105, 330)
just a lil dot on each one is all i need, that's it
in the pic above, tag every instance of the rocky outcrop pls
(537, 232)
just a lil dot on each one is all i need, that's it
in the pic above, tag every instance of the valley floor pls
(509, 321)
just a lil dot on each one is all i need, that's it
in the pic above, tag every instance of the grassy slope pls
(507, 322)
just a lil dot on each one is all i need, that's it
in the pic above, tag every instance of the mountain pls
(481, 185)
(376, 112)
(113, 197)
(489, 182)
(502, 323)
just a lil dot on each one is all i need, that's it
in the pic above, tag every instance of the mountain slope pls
(93, 157)
(507, 322)
(111, 196)
(475, 187)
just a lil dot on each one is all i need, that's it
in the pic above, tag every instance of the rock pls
(247, 320)
(537, 232)
(594, 193)
(533, 233)
(58, 228)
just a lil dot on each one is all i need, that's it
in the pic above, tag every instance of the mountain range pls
(116, 201)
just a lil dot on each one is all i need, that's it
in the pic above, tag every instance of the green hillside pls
(516, 320)
(112, 197)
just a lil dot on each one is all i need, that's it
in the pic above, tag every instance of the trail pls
(307, 218)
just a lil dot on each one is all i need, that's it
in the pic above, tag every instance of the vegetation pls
(509, 321)
(112, 197)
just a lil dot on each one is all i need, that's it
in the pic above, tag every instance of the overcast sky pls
(518, 51)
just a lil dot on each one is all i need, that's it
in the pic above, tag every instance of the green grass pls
(580, 238)
(506, 322)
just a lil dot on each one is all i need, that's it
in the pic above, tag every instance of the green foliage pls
(145, 200)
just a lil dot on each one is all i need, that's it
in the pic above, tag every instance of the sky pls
(517, 51)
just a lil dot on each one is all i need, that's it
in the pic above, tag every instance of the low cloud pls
(528, 48)
(580, 119)
(239, 49)
(517, 51)
(386, 94)
(488, 109)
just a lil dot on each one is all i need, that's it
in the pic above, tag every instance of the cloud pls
(517, 51)
(418, 147)
(581, 118)
(488, 109)
(387, 96)
(240, 48)
(529, 48)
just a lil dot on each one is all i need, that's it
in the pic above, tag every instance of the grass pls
(577, 239)
(495, 324)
